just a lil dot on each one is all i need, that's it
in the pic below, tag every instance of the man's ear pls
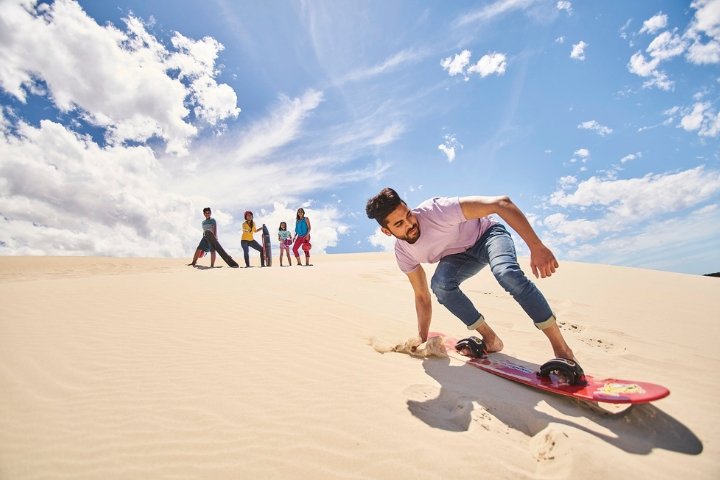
(386, 231)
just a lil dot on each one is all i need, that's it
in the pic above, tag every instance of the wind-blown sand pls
(117, 368)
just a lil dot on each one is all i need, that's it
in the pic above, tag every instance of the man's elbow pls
(423, 299)
(503, 202)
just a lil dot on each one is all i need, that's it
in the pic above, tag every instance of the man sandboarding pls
(458, 233)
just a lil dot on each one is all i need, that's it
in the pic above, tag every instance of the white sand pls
(149, 369)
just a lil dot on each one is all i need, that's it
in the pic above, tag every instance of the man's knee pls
(442, 287)
(511, 278)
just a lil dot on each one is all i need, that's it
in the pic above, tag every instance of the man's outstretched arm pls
(542, 260)
(423, 301)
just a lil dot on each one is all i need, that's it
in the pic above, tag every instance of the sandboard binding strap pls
(567, 368)
(474, 345)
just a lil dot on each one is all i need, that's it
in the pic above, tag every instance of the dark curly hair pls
(382, 204)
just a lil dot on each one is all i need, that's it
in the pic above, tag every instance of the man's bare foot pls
(560, 348)
(496, 346)
(490, 338)
(564, 353)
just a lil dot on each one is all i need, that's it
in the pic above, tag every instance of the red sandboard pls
(607, 390)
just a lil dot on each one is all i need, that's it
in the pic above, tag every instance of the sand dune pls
(114, 368)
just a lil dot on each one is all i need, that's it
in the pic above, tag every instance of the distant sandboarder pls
(210, 237)
(209, 242)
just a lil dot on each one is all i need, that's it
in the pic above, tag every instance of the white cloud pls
(572, 231)
(582, 153)
(703, 119)
(493, 63)
(389, 135)
(564, 5)
(448, 147)
(602, 130)
(638, 199)
(560, 40)
(326, 222)
(448, 151)
(381, 241)
(666, 45)
(281, 126)
(578, 50)
(693, 120)
(493, 10)
(637, 221)
(642, 67)
(655, 23)
(64, 195)
(631, 157)
(700, 43)
(127, 89)
(456, 64)
(704, 33)
(655, 243)
(404, 57)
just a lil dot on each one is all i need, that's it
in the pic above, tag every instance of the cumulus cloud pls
(65, 192)
(641, 198)
(492, 63)
(593, 125)
(62, 194)
(702, 118)
(578, 50)
(134, 87)
(448, 147)
(381, 241)
(704, 33)
(326, 221)
(564, 5)
(616, 220)
(631, 157)
(700, 44)
(655, 23)
(456, 64)
(581, 154)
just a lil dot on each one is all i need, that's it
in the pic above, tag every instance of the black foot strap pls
(474, 345)
(563, 367)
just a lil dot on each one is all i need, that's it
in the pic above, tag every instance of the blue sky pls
(122, 120)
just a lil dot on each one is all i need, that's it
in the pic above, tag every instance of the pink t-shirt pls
(444, 230)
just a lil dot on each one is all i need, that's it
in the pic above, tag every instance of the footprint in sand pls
(551, 447)
(439, 408)
(593, 342)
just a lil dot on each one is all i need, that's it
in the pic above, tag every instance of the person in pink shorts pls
(285, 239)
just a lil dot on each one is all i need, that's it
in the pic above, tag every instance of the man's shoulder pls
(437, 203)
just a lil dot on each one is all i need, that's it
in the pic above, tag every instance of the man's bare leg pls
(559, 346)
(492, 341)
(195, 258)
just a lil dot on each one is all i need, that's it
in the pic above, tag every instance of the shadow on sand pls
(638, 430)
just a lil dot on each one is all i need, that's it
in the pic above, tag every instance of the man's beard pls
(412, 237)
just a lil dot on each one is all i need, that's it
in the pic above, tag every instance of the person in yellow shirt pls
(247, 240)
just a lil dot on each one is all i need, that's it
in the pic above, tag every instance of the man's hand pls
(543, 262)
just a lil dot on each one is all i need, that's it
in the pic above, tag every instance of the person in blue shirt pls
(302, 236)
(204, 246)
